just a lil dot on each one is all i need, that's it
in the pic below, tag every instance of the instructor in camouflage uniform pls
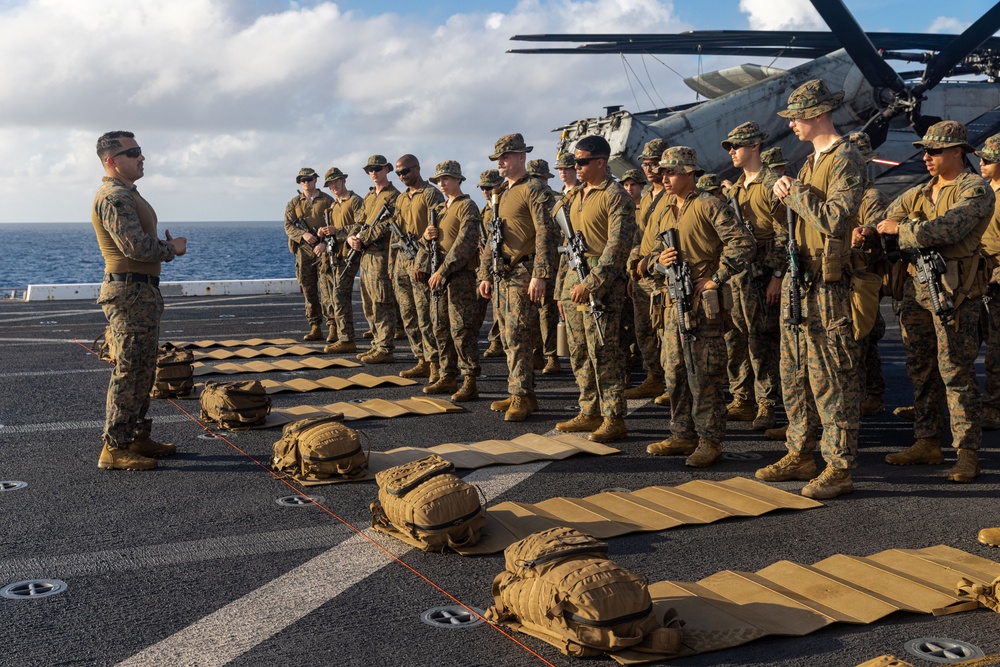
(337, 276)
(526, 264)
(604, 214)
(125, 225)
(947, 215)
(454, 301)
(820, 391)
(304, 215)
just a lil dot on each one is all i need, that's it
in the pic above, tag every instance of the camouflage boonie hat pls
(811, 99)
(863, 143)
(946, 134)
(654, 149)
(333, 174)
(377, 161)
(306, 173)
(636, 175)
(680, 160)
(447, 168)
(566, 161)
(510, 143)
(490, 178)
(772, 157)
(539, 169)
(747, 134)
(991, 149)
(709, 183)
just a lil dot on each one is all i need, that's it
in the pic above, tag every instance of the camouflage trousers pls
(518, 314)
(697, 404)
(991, 391)
(548, 322)
(367, 305)
(870, 371)
(752, 343)
(646, 337)
(414, 301)
(337, 288)
(307, 273)
(599, 370)
(822, 392)
(457, 321)
(375, 278)
(133, 311)
(940, 363)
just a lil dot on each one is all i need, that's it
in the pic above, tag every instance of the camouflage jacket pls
(374, 201)
(125, 225)
(761, 209)
(459, 232)
(525, 208)
(346, 216)
(312, 213)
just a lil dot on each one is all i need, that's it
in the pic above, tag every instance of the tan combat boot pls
(791, 466)
(966, 467)
(580, 424)
(673, 447)
(315, 333)
(341, 347)
(611, 429)
(468, 392)
(765, 417)
(434, 373)
(832, 482)
(740, 411)
(124, 459)
(331, 334)
(924, 450)
(991, 419)
(885, 661)
(502, 405)
(905, 412)
(446, 384)
(421, 370)
(663, 399)
(990, 537)
(151, 448)
(552, 366)
(495, 349)
(651, 387)
(779, 434)
(520, 408)
(872, 405)
(707, 453)
(377, 357)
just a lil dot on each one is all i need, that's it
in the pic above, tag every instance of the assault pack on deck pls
(424, 504)
(174, 372)
(560, 586)
(321, 448)
(235, 405)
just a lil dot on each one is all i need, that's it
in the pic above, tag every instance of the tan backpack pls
(174, 372)
(235, 405)
(424, 504)
(559, 586)
(318, 449)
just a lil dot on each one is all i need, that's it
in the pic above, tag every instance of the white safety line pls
(28, 374)
(73, 426)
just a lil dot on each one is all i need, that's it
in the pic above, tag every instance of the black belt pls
(133, 278)
(511, 265)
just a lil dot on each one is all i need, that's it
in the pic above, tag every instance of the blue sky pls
(229, 98)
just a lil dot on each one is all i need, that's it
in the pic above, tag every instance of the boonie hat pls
(378, 161)
(539, 169)
(772, 157)
(447, 168)
(566, 161)
(510, 143)
(811, 99)
(863, 143)
(635, 175)
(490, 178)
(332, 174)
(747, 134)
(654, 149)
(991, 149)
(709, 183)
(680, 160)
(306, 173)
(946, 134)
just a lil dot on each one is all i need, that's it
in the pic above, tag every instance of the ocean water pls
(60, 253)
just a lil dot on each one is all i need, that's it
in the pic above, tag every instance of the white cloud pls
(948, 25)
(782, 15)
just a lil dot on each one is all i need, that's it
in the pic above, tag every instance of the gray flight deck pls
(196, 563)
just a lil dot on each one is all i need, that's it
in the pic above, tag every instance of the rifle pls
(681, 290)
(735, 205)
(577, 261)
(930, 266)
(496, 245)
(299, 223)
(365, 229)
(407, 244)
(434, 247)
(794, 314)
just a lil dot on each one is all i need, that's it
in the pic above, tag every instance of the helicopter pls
(890, 106)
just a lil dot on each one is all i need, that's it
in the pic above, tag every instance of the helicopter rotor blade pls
(960, 47)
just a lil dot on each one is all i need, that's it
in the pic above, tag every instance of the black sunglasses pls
(129, 152)
(374, 168)
(305, 179)
(933, 151)
(486, 189)
(985, 161)
(584, 161)
(404, 172)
